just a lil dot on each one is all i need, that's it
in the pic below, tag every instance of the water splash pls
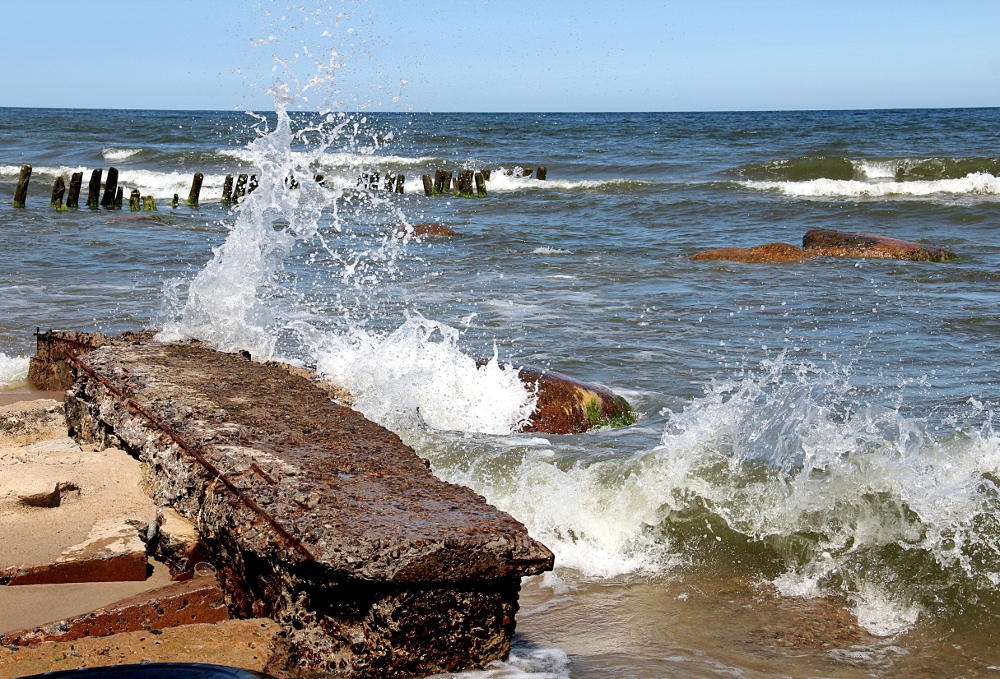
(13, 370)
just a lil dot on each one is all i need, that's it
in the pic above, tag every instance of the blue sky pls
(506, 55)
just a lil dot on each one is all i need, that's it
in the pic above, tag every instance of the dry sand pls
(53, 495)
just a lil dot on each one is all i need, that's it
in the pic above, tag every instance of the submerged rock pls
(569, 406)
(777, 253)
(845, 244)
(426, 230)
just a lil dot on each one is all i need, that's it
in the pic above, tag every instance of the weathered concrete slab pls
(256, 644)
(26, 422)
(180, 603)
(313, 515)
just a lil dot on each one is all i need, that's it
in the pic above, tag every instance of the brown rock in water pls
(256, 644)
(776, 253)
(312, 514)
(428, 230)
(569, 406)
(179, 603)
(845, 244)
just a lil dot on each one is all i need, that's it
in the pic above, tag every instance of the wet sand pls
(696, 625)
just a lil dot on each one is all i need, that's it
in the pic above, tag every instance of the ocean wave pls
(13, 370)
(843, 168)
(115, 154)
(160, 185)
(978, 184)
(779, 467)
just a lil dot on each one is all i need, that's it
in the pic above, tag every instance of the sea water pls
(812, 484)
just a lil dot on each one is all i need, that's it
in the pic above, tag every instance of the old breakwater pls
(313, 515)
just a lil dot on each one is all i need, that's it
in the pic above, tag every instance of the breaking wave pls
(13, 370)
(843, 177)
(787, 469)
(114, 154)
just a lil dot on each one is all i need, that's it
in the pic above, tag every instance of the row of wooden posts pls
(113, 193)
(461, 184)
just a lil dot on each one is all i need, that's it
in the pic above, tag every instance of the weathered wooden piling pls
(439, 183)
(320, 179)
(227, 190)
(75, 184)
(527, 172)
(449, 183)
(291, 182)
(241, 188)
(58, 190)
(541, 172)
(373, 183)
(21, 193)
(94, 189)
(175, 201)
(252, 186)
(400, 180)
(195, 193)
(465, 183)
(118, 198)
(428, 184)
(480, 185)
(390, 181)
(110, 188)
(486, 173)
(135, 201)
(149, 203)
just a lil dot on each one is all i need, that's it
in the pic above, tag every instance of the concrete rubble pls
(314, 516)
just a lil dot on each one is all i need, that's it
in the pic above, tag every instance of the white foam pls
(880, 615)
(975, 184)
(500, 181)
(418, 374)
(115, 154)
(13, 370)
(160, 185)
(535, 663)
(550, 251)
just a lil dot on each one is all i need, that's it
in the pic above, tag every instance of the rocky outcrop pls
(777, 253)
(313, 515)
(569, 406)
(844, 244)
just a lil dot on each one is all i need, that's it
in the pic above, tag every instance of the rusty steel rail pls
(193, 452)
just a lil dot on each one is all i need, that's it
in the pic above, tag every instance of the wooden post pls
(118, 198)
(175, 202)
(227, 190)
(373, 185)
(94, 189)
(252, 186)
(58, 191)
(541, 172)
(439, 181)
(75, 184)
(195, 189)
(241, 188)
(486, 174)
(480, 185)
(390, 181)
(21, 193)
(448, 182)
(363, 180)
(400, 180)
(135, 201)
(428, 185)
(291, 181)
(454, 186)
(465, 183)
(110, 187)
(320, 179)
(527, 172)
(149, 203)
